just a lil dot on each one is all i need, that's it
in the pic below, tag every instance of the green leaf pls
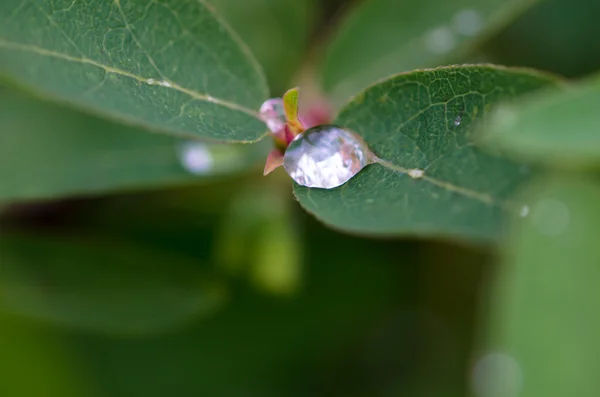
(557, 128)
(545, 306)
(36, 354)
(423, 121)
(277, 32)
(48, 151)
(101, 285)
(297, 347)
(533, 40)
(167, 65)
(383, 37)
(258, 235)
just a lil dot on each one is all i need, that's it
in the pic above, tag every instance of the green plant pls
(153, 107)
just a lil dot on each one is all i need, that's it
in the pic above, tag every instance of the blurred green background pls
(219, 284)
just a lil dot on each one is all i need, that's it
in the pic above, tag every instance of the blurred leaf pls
(171, 66)
(557, 128)
(259, 237)
(312, 344)
(419, 124)
(278, 256)
(48, 151)
(534, 40)
(546, 301)
(277, 32)
(34, 364)
(102, 285)
(383, 37)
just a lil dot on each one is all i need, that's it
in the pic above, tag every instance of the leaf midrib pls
(473, 194)
(164, 83)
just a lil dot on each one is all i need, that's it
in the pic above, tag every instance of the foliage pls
(143, 254)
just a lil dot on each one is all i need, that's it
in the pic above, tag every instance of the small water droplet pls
(150, 81)
(440, 40)
(196, 157)
(551, 217)
(325, 157)
(524, 211)
(497, 374)
(164, 83)
(458, 120)
(467, 22)
(271, 112)
(416, 173)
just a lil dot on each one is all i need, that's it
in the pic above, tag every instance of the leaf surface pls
(546, 297)
(556, 128)
(167, 65)
(101, 285)
(383, 37)
(48, 151)
(423, 121)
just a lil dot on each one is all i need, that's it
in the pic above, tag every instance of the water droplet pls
(457, 120)
(150, 81)
(325, 157)
(164, 83)
(497, 375)
(440, 40)
(271, 112)
(467, 22)
(196, 157)
(524, 211)
(550, 217)
(416, 173)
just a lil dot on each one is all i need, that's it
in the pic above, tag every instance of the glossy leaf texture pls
(382, 37)
(433, 179)
(170, 66)
(277, 31)
(102, 286)
(558, 129)
(49, 151)
(544, 307)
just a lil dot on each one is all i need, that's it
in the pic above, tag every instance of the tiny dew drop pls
(271, 112)
(326, 157)
(458, 120)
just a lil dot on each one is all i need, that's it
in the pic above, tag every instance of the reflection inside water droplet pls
(196, 157)
(497, 375)
(271, 112)
(457, 120)
(325, 157)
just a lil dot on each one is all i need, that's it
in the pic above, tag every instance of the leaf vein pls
(109, 69)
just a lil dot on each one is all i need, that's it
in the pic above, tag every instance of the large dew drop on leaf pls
(325, 157)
